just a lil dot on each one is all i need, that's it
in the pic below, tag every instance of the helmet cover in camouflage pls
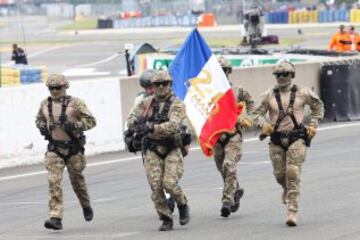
(57, 80)
(161, 76)
(145, 78)
(284, 66)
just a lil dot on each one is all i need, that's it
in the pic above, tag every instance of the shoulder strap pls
(167, 106)
(64, 104)
(282, 112)
(51, 116)
(290, 110)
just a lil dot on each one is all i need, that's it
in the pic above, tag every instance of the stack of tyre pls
(9, 77)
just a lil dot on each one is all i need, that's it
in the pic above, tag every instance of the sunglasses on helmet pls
(52, 88)
(282, 74)
(158, 84)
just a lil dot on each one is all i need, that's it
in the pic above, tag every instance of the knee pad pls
(293, 172)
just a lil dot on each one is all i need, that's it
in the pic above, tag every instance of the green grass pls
(80, 25)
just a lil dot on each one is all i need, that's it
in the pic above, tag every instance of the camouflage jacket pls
(176, 116)
(76, 112)
(304, 96)
(244, 96)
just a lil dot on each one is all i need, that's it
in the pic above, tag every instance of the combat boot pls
(171, 204)
(238, 194)
(167, 224)
(225, 209)
(53, 223)
(88, 213)
(291, 220)
(184, 214)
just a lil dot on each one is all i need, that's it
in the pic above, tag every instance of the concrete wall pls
(254, 79)
(21, 142)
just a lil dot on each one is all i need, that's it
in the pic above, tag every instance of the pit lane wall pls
(110, 102)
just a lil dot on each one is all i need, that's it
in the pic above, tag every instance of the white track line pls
(139, 157)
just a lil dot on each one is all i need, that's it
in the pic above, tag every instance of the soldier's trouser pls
(165, 174)
(55, 166)
(226, 160)
(287, 169)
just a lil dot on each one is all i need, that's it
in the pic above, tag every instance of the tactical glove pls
(44, 131)
(266, 129)
(311, 131)
(246, 123)
(147, 129)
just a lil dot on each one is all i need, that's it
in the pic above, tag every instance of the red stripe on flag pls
(223, 119)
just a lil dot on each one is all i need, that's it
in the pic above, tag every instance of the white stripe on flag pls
(211, 82)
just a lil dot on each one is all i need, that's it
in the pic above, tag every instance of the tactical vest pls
(286, 139)
(76, 144)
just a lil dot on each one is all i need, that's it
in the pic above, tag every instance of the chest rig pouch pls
(180, 139)
(285, 139)
(75, 145)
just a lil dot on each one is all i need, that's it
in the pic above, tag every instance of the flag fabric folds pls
(199, 81)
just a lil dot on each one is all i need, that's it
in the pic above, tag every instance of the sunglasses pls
(55, 88)
(282, 74)
(158, 84)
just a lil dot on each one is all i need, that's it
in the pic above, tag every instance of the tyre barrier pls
(340, 91)
(22, 74)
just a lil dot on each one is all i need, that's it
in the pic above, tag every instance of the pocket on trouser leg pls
(76, 163)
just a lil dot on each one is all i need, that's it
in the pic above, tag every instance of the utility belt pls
(225, 137)
(285, 139)
(72, 147)
(179, 140)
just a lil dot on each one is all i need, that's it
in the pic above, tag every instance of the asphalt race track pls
(329, 207)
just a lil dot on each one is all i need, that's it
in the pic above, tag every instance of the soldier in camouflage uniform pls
(145, 83)
(288, 134)
(228, 149)
(62, 119)
(163, 159)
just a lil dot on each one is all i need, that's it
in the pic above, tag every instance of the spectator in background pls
(18, 55)
(340, 41)
(355, 39)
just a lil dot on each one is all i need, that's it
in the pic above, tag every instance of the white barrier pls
(20, 140)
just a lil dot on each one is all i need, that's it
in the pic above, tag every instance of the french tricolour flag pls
(199, 81)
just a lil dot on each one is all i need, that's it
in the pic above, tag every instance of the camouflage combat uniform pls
(288, 155)
(228, 149)
(57, 158)
(226, 157)
(164, 166)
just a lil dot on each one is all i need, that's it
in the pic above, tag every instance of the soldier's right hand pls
(311, 131)
(266, 129)
(44, 131)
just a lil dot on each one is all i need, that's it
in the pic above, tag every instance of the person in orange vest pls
(355, 39)
(340, 41)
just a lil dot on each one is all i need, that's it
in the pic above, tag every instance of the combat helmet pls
(145, 78)
(284, 66)
(57, 80)
(161, 76)
(225, 64)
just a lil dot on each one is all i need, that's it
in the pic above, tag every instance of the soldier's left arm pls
(245, 96)
(86, 119)
(176, 116)
(316, 106)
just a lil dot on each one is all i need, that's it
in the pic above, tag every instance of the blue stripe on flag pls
(189, 61)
